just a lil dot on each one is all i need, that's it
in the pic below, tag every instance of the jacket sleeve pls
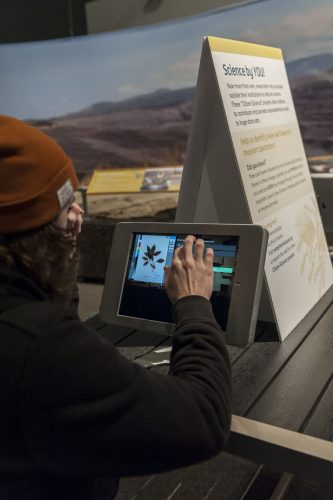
(87, 410)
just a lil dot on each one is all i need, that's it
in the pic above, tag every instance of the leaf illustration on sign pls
(312, 243)
(150, 255)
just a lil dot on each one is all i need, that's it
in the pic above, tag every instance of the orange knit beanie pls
(37, 179)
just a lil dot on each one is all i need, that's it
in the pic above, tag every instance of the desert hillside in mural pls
(313, 98)
(152, 129)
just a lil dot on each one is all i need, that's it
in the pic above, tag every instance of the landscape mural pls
(124, 99)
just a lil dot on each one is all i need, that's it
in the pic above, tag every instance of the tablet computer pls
(134, 294)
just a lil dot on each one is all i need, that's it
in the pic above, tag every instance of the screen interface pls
(143, 295)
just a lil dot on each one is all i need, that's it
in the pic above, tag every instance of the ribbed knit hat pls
(37, 179)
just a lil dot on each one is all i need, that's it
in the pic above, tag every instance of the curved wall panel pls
(125, 98)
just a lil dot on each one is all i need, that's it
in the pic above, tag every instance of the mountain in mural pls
(149, 130)
(158, 99)
(309, 65)
(152, 129)
(313, 99)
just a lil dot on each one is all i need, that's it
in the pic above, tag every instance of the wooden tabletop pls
(282, 392)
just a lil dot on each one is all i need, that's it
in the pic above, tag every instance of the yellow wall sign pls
(135, 180)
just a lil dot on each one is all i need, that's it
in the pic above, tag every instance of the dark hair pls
(48, 255)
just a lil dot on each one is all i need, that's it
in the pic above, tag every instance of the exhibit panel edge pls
(196, 195)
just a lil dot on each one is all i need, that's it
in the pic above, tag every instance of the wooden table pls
(283, 392)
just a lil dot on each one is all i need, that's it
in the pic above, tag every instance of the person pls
(74, 413)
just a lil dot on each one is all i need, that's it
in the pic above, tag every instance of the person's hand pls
(190, 273)
(74, 218)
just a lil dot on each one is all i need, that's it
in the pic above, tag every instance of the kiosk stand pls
(245, 163)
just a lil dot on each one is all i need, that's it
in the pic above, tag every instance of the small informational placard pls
(135, 180)
(252, 167)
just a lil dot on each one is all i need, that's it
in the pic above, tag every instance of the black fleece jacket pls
(73, 409)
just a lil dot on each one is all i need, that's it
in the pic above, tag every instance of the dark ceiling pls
(24, 21)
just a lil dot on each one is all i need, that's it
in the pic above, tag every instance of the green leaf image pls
(150, 255)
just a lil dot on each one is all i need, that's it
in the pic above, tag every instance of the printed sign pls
(262, 165)
(135, 180)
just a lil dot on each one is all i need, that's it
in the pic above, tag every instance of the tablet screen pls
(143, 295)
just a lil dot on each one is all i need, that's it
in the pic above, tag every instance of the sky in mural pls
(53, 78)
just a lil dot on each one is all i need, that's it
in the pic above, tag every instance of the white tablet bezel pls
(243, 310)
